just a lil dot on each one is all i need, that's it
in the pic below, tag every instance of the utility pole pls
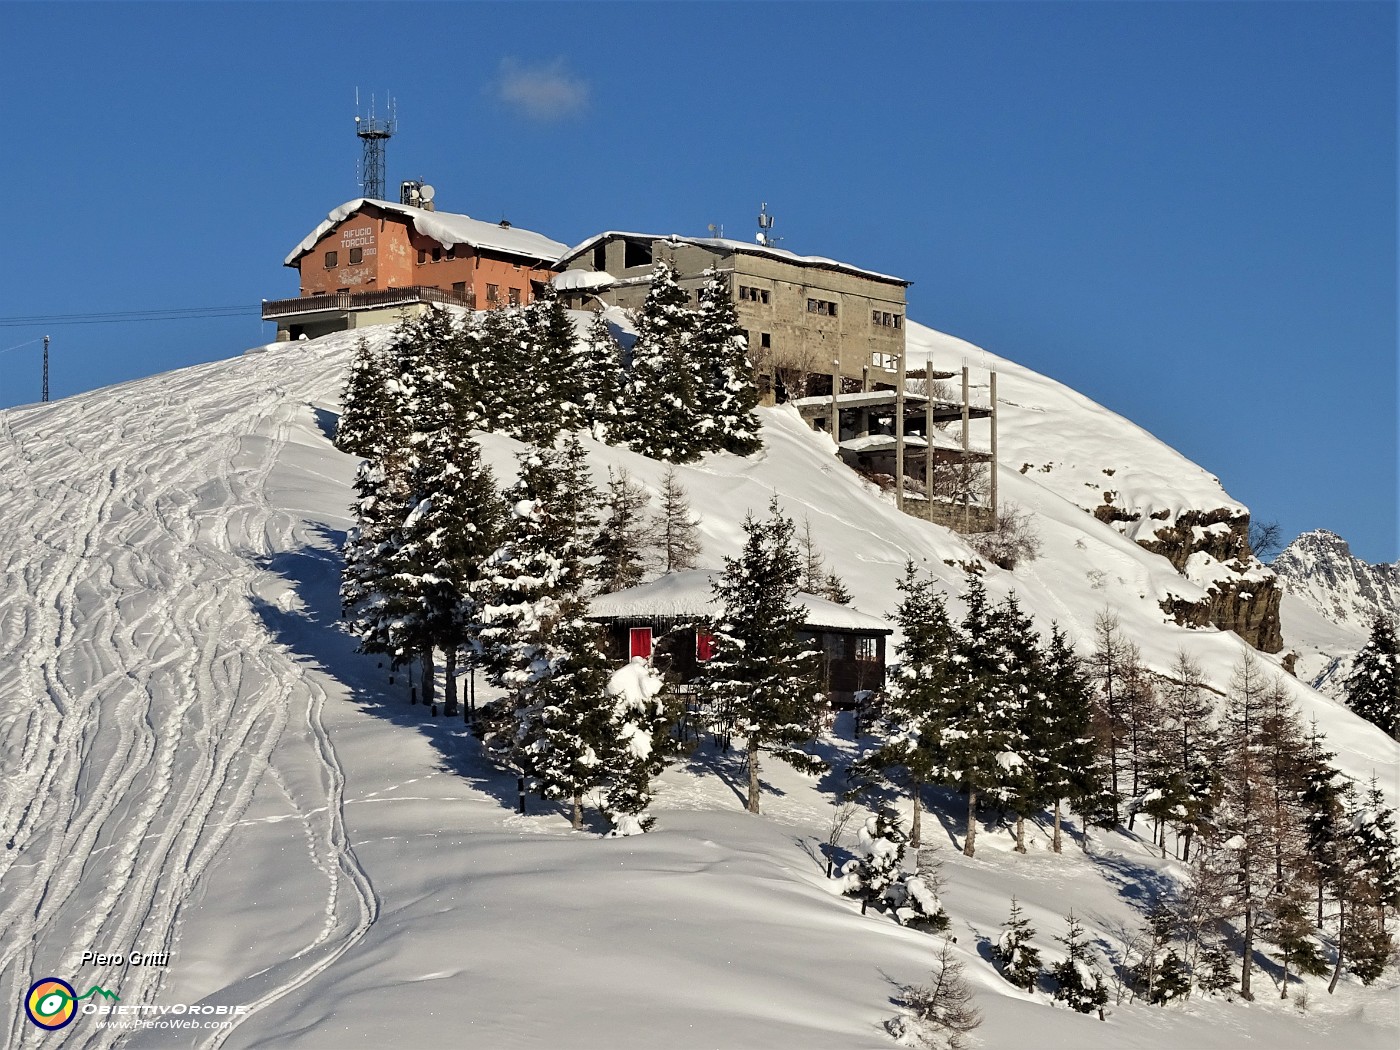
(45, 395)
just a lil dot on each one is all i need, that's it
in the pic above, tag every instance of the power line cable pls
(127, 316)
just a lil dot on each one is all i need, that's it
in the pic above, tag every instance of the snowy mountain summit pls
(1320, 568)
(195, 761)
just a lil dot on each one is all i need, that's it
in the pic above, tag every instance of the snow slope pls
(195, 760)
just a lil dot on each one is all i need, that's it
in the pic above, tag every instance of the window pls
(332, 260)
(514, 294)
(452, 252)
(437, 255)
(357, 255)
(600, 256)
(867, 650)
(898, 321)
(639, 642)
(889, 362)
(704, 646)
(753, 295)
(765, 340)
(824, 307)
(493, 293)
(885, 319)
(636, 253)
(422, 256)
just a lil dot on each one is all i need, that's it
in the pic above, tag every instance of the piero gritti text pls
(134, 959)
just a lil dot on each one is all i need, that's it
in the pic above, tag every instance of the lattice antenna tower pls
(373, 133)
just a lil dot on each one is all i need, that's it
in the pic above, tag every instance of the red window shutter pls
(640, 642)
(704, 645)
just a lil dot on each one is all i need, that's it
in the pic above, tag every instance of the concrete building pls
(802, 313)
(370, 261)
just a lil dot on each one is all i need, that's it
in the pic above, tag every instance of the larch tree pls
(620, 545)
(675, 531)
(763, 676)
(1111, 664)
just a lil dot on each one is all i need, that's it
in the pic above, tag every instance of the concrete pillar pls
(835, 411)
(995, 506)
(928, 438)
(899, 437)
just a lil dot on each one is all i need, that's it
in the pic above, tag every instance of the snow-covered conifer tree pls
(1373, 686)
(1079, 984)
(640, 727)
(978, 728)
(877, 876)
(1072, 769)
(1015, 956)
(509, 377)
(553, 724)
(763, 676)
(658, 415)
(600, 378)
(725, 390)
(919, 694)
(552, 373)
(365, 418)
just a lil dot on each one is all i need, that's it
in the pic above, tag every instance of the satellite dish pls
(426, 192)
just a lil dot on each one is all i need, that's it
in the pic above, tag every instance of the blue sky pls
(1185, 211)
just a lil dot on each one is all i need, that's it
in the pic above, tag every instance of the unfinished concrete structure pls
(801, 312)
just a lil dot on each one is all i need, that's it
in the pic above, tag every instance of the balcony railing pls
(382, 297)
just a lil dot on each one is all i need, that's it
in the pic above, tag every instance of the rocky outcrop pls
(1211, 547)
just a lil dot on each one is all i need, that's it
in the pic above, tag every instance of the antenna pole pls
(45, 395)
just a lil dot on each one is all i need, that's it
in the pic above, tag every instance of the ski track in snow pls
(140, 699)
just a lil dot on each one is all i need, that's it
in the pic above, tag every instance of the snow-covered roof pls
(445, 227)
(678, 595)
(727, 245)
(574, 280)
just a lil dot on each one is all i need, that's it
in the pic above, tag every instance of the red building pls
(370, 259)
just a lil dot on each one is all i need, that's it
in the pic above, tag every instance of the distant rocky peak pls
(1320, 568)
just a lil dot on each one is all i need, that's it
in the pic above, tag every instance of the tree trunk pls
(753, 776)
(449, 657)
(1186, 847)
(1020, 833)
(1055, 840)
(1341, 931)
(429, 685)
(1284, 994)
(578, 811)
(916, 826)
(1319, 903)
(970, 839)
(1247, 965)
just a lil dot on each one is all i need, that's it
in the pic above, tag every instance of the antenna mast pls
(373, 134)
(45, 395)
(765, 223)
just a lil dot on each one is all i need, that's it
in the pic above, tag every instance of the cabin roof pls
(688, 595)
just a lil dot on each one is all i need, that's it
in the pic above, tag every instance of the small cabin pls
(668, 622)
